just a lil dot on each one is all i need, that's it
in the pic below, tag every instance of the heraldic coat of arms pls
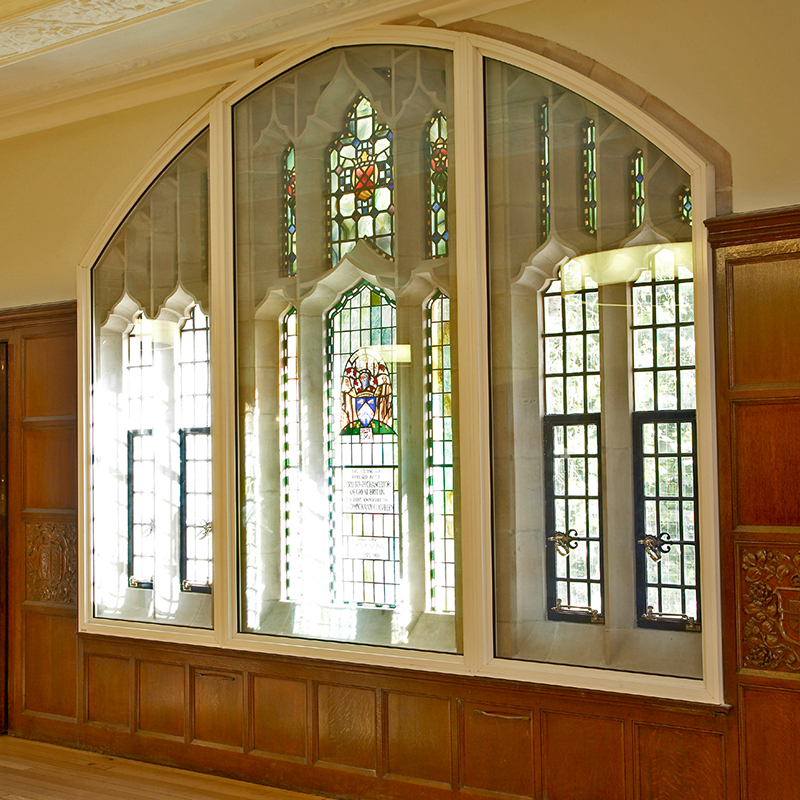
(366, 396)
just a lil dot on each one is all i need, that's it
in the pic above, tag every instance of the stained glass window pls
(195, 453)
(290, 211)
(590, 176)
(664, 436)
(544, 160)
(439, 477)
(572, 448)
(361, 183)
(637, 188)
(685, 204)
(363, 448)
(290, 448)
(439, 234)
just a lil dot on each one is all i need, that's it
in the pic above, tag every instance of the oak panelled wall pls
(354, 731)
(757, 274)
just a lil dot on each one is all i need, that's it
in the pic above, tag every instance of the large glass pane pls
(151, 434)
(590, 278)
(345, 293)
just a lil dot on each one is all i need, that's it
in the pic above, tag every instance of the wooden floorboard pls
(37, 771)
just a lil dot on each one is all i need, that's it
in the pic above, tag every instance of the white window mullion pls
(473, 361)
(223, 371)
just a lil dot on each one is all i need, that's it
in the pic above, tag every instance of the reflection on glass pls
(349, 527)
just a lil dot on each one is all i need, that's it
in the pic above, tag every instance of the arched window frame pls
(473, 413)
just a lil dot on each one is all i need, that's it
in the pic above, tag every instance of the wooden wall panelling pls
(497, 749)
(583, 757)
(677, 763)
(346, 727)
(418, 738)
(218, 704)
(42, 500)
(757, 289)
(161, 698)
(279, 717)
(108, 691)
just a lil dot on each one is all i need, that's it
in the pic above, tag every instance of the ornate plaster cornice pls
(73, 19)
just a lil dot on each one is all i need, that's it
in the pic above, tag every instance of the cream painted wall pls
(58, 186)
(728, 66)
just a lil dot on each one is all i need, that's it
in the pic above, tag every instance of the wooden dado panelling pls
(377, 733)
(757, 296)
(43, 663)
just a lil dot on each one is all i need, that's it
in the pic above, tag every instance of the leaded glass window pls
(290, 448)
(590, 176)
(685, 204)
(572, 448)
(363, 449)
(637, 188)
(544, 158)
(439, 235)
(439, 493)
(361, 184)
(665, 436)
(290, 211)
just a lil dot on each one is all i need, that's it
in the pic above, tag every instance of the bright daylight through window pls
(344, 328)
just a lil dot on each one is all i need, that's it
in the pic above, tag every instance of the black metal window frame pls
(186, 585)
(652, 548)
(562, 609)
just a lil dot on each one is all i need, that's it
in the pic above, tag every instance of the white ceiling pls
(78, 52)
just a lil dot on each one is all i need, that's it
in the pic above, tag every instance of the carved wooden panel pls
(765, 348)
(418, 737)
(346, 726)
(279, 716)
(497, 753)
(766, 462)
(108, 690)
(50, 664)
(582, 757)
(50, 375)
(161, 698)
(676, 763)
(769, 607)
(50, 475)
(218, 707)
(51, 562)
(771, 742)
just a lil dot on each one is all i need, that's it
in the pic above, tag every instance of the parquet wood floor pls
(36, 771)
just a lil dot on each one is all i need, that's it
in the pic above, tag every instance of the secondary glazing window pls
(344, 329)
(345, 292)
(151, 406)
(592, 348)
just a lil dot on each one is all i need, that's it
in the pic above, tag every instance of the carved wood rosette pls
(51, 562)
(770, 609)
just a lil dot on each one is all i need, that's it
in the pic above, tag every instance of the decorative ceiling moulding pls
(75, 19)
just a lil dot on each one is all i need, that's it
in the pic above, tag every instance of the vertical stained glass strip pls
(141, 456)
(438, 235)
(572, 447)
(590, 177)
(289, 211)
(544, 162)
(439, 477)
(637, 188)
(363, 448)
(685, 204)
(195, 453)
(664, 444)
(290, 448)
(361, 184)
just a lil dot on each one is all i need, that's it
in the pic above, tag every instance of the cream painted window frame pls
(469, 50)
